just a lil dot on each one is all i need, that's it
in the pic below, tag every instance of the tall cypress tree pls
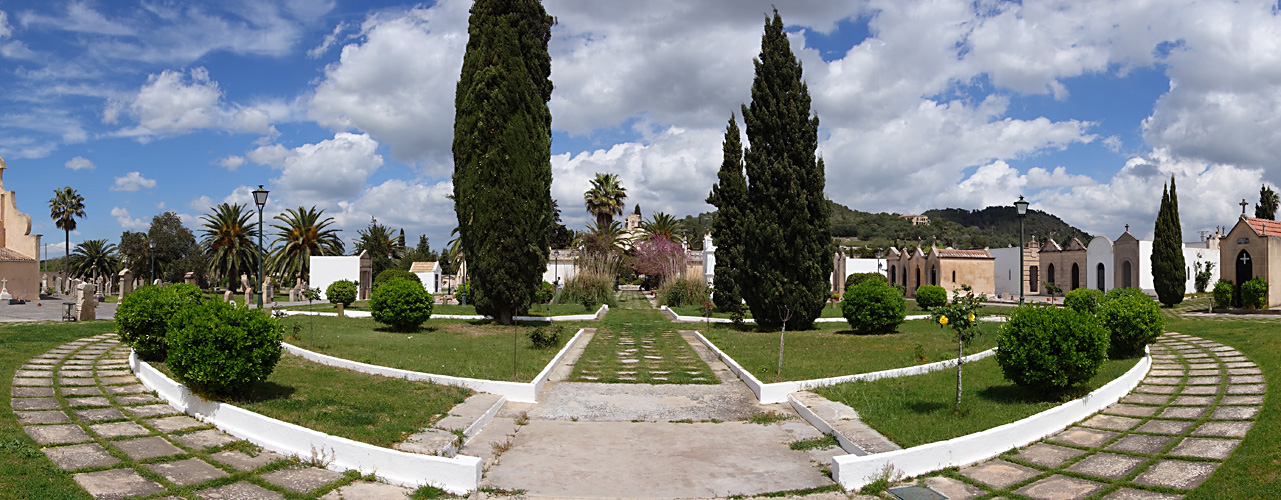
(729, 196)
(1169, 275)
(788, 247)
(502, 154)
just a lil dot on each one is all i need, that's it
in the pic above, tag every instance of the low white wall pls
(854, 472)
(600, 313)
(326, 270)
(457, 475)
(519, 392)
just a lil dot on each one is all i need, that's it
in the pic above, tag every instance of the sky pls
(1086, 107)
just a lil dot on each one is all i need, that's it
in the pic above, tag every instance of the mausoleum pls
(19, 249)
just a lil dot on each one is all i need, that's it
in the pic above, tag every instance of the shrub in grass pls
(1048, 348)
(341, 291)
(220, 348)
(1117, 293)
(589, 290)
(391, 274)
(142, 319)
(681, 292)
(857, 278)
(930, 296)
(1254, 294)
(873, 306)
(1223, 291)
(545, 293)
(546, 337)
(1133, 319)
(401, 304)
(1085, 300)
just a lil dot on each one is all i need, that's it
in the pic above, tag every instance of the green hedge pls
(1084, 300)
(1049, 348)
(220, 348)
(873, 306)
(1254, 294)
(401, 304)
(1134, 320)
(930, 296)
(1223, 292)
(391, 274)
(142, 318)
(341, 291)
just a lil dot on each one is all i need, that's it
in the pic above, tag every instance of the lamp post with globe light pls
(1021, 207)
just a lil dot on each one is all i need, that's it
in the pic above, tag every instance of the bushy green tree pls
(729, 196)
(1133, 319)
(401, 304)
(1048, 348)
(1169, 274)
(786, 268)
(930, 296)
(1268, 202)
(219, 348)
(502, 154)
(873, 306)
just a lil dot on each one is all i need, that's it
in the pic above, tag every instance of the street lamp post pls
(1021, 206)
(260, 199)
(152, 245)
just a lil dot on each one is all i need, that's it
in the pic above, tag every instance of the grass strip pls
(453, 309)
(637, 344)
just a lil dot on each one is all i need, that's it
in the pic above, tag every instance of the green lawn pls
(371, 409)
(476, 349)
(363, 305)
(25, 473)
(832, 350)
(830, 310)
(915, 410)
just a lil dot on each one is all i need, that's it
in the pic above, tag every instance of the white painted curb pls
(822, 426)
(600, 313)
(777, 392)
(699, 319)
(519, 392)
(457, 475)
(854, 472)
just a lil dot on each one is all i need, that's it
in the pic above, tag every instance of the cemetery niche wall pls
(1248, 251)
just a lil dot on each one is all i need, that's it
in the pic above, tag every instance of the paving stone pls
(302, 480)
(1138, 443)
(42, 361)
(1157, 389)
(1165, 373)
(151, 410)
(1204, 380)
(1176, 474)
(1244, 371)
(1245, 379)
(119, 380)
(56, 434)
(239, 491)
(1130, 410)
(1172, 427)
(171, 424)
(1235, 413)
(1205, 448)
(1246, 389)
(33, 373)
(35, 404)
(1163, 380)
(1111, 422)
(1132, 494)
(1047, 455)
(33, 382)
(207, 438)
(1195, 355)
(136, 399)
(1223, 429)
(1147, 399)
(380, 491)
(148, 447)
(80, 456)
(42, 417)
(99, 414)
(74, 373)
(1241, 400)
(116, 483)
(1241, 364)
(1201, 390)
(1107, 465)
(187, 472)
(1088, 438)
(243, 461)
(1193, 401)
(31, 392)
(80, 391)
(125, 389)
(1183, 412)
(119, 429)
(77, 382)
(1234, 359)
(998, 473)
(84, 362)
(1060, 488)
(1203, 366)
(88, 401)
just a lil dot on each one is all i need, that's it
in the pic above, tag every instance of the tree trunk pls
(66, 260)
(960, 349)
(505, 316)
(781, 337)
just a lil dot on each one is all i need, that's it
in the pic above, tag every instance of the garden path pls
(92, 418)
(1164, 439)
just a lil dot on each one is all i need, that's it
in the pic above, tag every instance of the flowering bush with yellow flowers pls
(960, 315)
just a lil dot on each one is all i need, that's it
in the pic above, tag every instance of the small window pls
(953, 276)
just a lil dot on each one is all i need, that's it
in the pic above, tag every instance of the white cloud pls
(331, 169)
(201, 204)
(79, 18)
(272, 155)
(231, 163)
(173, 102)
(133, 181)
(5, 29)
(127, 222)
(399, 203)
(327, 42)
(79, 163)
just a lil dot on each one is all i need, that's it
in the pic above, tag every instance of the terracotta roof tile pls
(952, 253)
(1265, 227)
(7, 255)
(422, 267)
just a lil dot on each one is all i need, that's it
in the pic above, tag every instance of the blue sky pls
(1087, 107)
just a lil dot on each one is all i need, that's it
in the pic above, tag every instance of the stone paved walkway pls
(83, 406)
(1164, 439)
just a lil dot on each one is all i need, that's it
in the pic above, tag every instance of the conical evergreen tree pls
(729, 196)
(788, 245)
(502, 154)
(1169, 276)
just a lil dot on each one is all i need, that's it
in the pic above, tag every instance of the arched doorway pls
(1049, 274)
(918, 277)
(1127, 281)
(934, 275)
(1076, 277)
(893, 275)
(1101, 282)
(1245, 272)
(1032, 278)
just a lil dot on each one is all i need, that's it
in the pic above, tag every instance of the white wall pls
(1196, 252)
(1007, 270)
(558, 269)
(1145, 267)
(1098, 252)
(326, 270)
(431, 280)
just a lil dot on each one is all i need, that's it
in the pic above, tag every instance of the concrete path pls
(91, 417)
(1165, 438)
(48, 308)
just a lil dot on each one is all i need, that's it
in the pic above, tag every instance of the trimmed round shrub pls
(1133, 319)
(1084, 300)
(343, 291)
(392, 274)
(873, 306)
(1223, 291)
(142, 319)
(930, 296)
(857, 278)
(1050, 348)
(401, 304)
(220, 348)
(1254, 294)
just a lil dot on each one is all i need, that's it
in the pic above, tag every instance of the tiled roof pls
(1264, 227)
(422, 267)
(7, 255)
(952, 253)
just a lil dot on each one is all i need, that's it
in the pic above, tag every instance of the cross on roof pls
(1243, 205)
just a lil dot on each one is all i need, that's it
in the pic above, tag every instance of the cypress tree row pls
(729, 196)
(788, 248)
(1169, 276)
(502, 154)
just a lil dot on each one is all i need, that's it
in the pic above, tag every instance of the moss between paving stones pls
(637, 332)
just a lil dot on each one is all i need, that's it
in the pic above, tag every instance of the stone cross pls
(4, 289)
(1245, 259)
(1243, 205)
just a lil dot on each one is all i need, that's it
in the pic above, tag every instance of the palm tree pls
(64, 207)
(605, 198)
(601, 238)
(228, 238)
(95, 259)
(302, 234)
(662, 225)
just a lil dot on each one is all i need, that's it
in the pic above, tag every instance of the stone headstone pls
(4, 290)
(244, 284)
(268, 291)
(229, 296)
(86, 303)
(249, 296)
(189, 278)
(126, 282)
